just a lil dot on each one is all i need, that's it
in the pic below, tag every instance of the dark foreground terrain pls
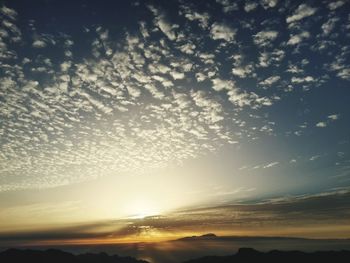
(243, 255)
(252, 255)
(58, 256)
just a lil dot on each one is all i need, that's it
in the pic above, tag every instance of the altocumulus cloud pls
(169, 88)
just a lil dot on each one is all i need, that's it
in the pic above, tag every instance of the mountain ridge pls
(15, 255)
(244, 254)
(252, 255)
(212, 236)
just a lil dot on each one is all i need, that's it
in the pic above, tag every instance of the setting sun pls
(141, 209)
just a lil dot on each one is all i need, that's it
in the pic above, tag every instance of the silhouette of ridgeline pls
(57, 256)
(195, 238)
(252, 255)
(243, 255)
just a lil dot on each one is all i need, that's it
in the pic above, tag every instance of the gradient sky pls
(151, 119)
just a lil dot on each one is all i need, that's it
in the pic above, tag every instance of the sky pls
(149, 120)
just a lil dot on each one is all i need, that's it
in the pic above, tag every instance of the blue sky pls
(205, 102)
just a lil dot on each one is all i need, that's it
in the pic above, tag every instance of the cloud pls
(315, 157)
(250, 6)
(242, 99)
(242, 71)
(330, 118)
(270, 80)
(157, 94)
(167, 28)
(39, 43)
(321, 124)
(269, 58)
(344, 73)
(200, 77)
(301, 12)
(333, 117)
(143, 30)
(302, 80)
(188, 48)
(11, 13)
(298, 38)
(222, 31)
(202, 18)
(269, 3)
(339, 66)
(220, 84)
(329, 25)
(228, 6)
(130, 112)
(164, 25)
(235, 191)
(177, 75)
(264, 38)
(270, 165)
(238, 97)
(324, 210)
(65, 65)
(207, 58)
(335, 5)
(129, 101)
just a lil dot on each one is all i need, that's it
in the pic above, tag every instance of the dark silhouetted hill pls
(242, 256)
(205, 236)
(252, 255)
(57, 256)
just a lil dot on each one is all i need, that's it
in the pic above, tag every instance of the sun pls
(141, 209)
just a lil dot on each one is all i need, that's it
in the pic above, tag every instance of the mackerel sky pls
(251, 97)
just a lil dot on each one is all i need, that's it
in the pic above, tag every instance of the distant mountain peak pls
(205, 236)
(209, 235)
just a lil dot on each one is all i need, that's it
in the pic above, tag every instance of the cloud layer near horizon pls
(323, 215)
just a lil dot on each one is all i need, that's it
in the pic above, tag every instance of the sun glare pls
(142, 209)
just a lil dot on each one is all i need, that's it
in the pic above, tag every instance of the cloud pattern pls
(174, 88)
